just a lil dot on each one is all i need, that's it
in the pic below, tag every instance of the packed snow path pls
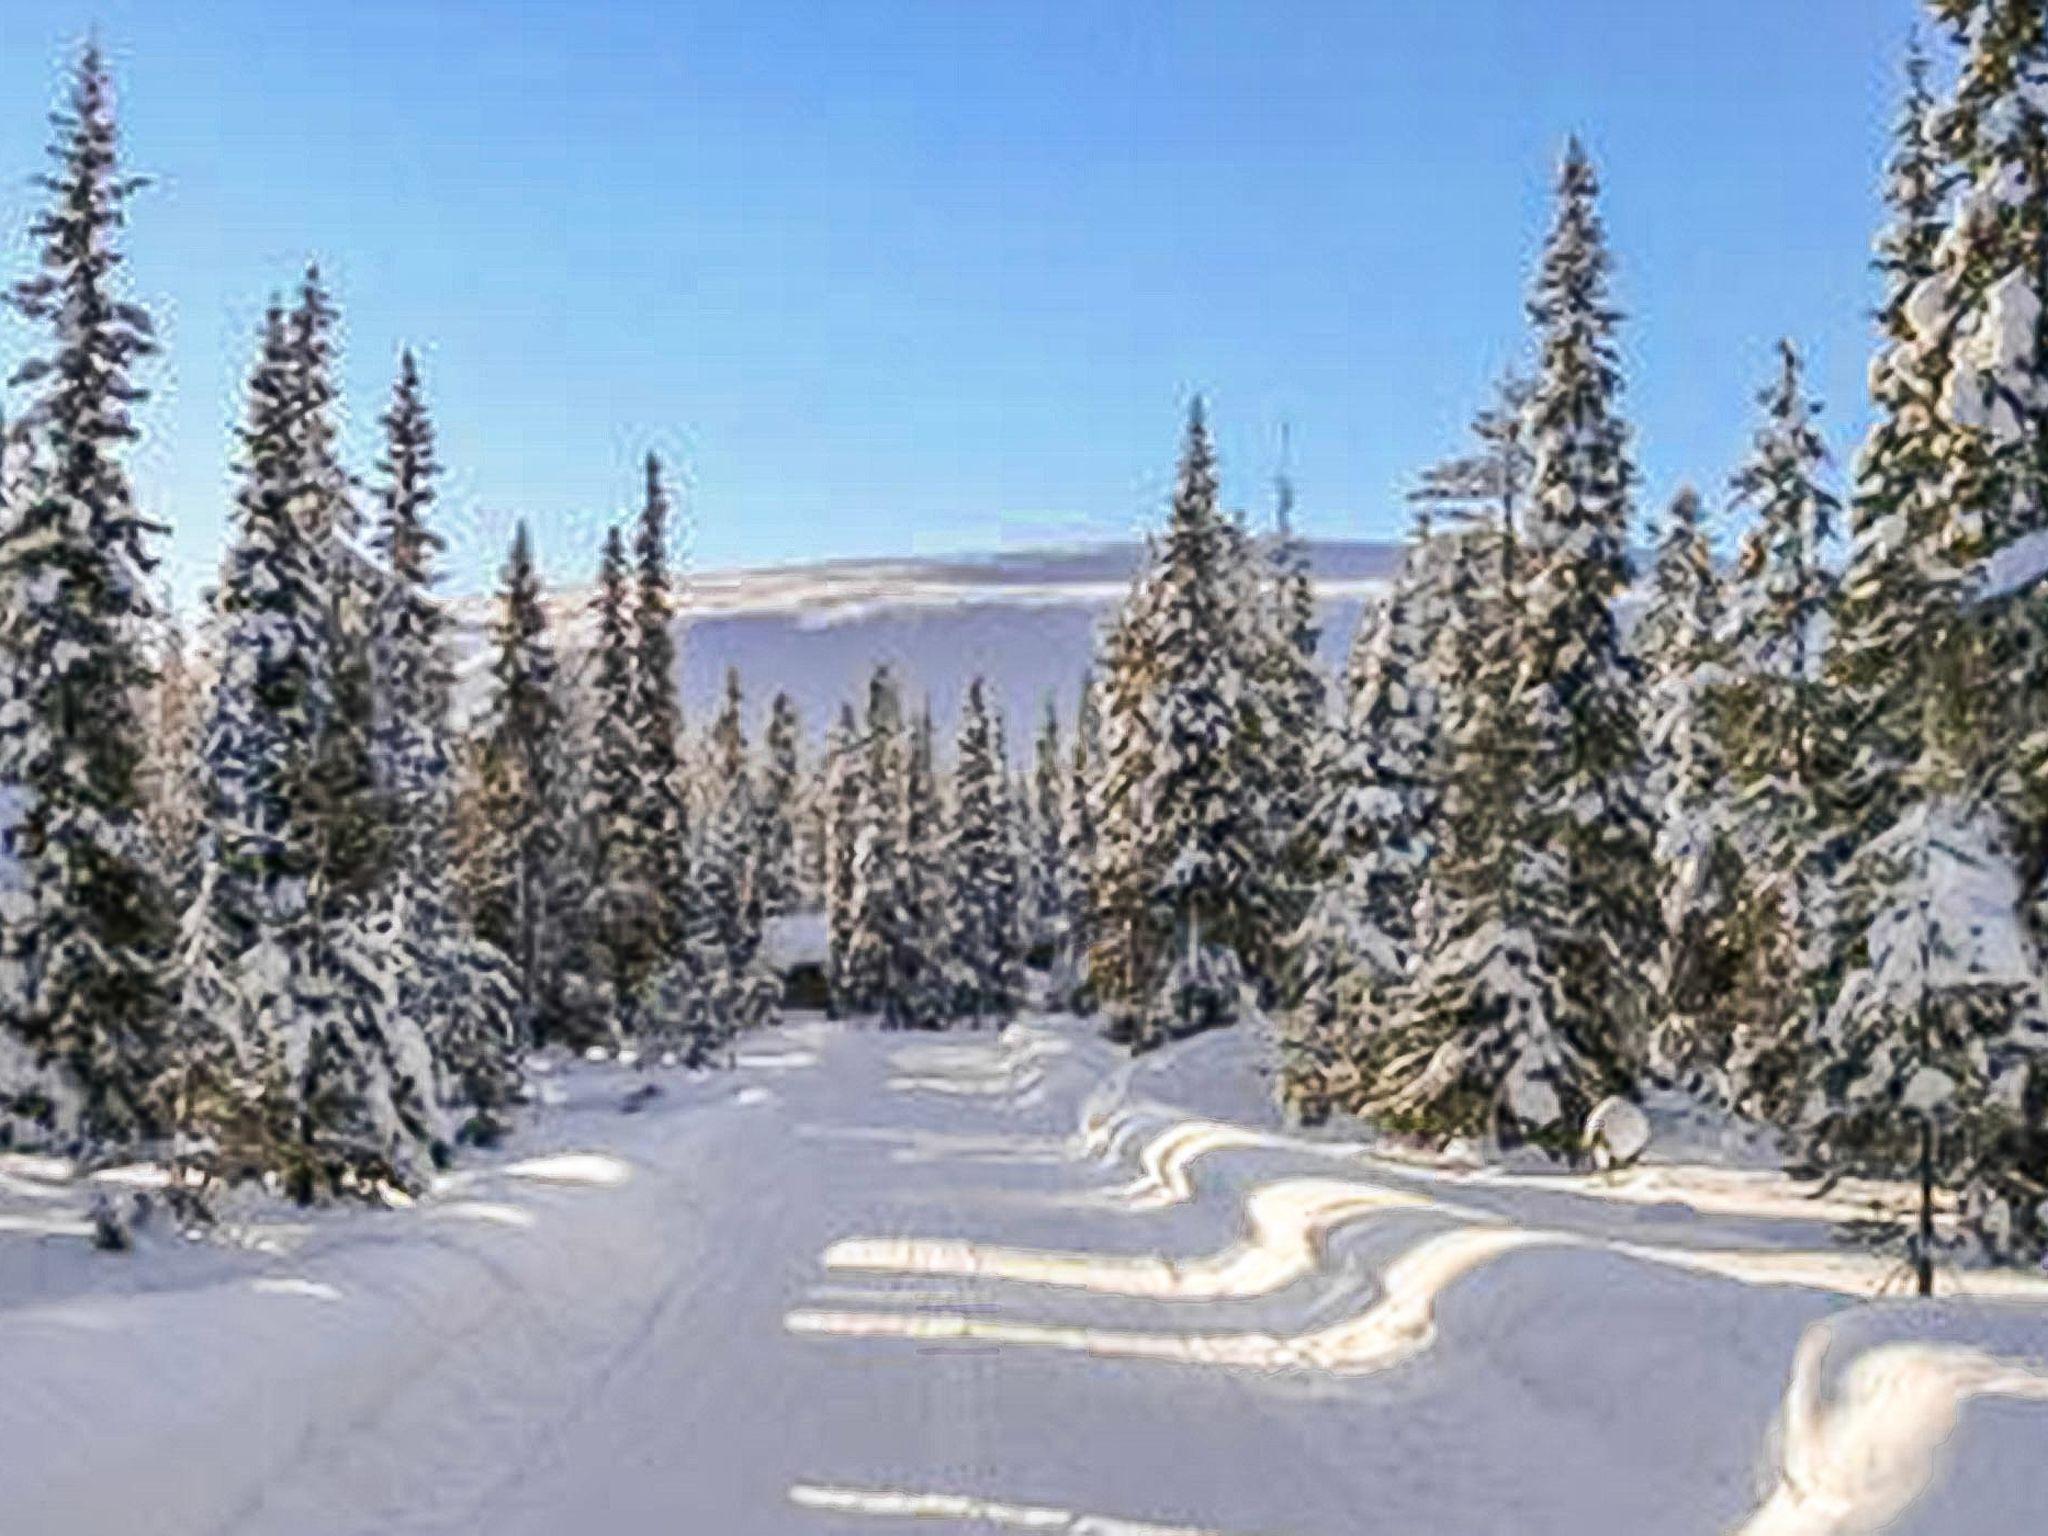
(892, 1283)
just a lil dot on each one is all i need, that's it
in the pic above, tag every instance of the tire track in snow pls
(1288, 1221)
(1398, 1325)
(1166, 1162)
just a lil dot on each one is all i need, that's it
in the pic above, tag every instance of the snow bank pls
(1857, 1459)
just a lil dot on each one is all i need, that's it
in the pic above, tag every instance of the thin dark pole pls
(1923, 1261)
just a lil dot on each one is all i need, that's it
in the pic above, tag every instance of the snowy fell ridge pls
(1025, 620)
(873, 1279)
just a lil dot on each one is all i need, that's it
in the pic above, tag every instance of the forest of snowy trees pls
(1767, 826)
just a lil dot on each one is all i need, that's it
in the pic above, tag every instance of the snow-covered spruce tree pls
(1934, 1054)
(1077, 856)
(1273, 677)
(1777, 726)
(1294, 719)
(356, 823)
(1580, 685)
(1121, 919)
(841, 796)
(657, 717)
(728, 922)
(933, 981)
(738, 991)
(295, 1062)
(1045, 918)
(458, 987)
(881, 961)
(629, 936)
(982, 860)
(84, 916)
(779, 809)
(1365, 850)
(1480, 1041)
(172, 806)
(520, 863)
(1454, 500)
(1698, 873)
(1890, 586)
(1983, 311)
(1183, 853)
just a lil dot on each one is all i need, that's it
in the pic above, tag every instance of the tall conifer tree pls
(657, 716)
(84, 922)
(522, 868)
(1577, 681)
(1779, 732)
(983, 860)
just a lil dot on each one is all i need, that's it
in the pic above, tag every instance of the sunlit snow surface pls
(967, 1509)
(1005, 1280)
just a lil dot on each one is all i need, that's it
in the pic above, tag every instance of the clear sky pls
(936, 275)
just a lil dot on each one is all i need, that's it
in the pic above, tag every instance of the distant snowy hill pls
(1025, 620)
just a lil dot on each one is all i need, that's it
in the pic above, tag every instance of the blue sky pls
(938, 275)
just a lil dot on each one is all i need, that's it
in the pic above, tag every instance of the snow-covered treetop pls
(1784, 582)
(1580, 476)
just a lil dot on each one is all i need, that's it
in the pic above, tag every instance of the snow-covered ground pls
(874, 1282)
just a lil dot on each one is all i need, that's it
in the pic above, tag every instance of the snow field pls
(1078, 1304)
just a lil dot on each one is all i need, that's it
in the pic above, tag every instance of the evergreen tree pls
(843, 793)
(881, 952)
(1534, 901)
(521, 864)
(172, 805)
(1365, 851)
(459, 988)
(1456, 501)
(1480, 1040)
(1982, 313)
(1184, 823)
(982, 855)
(414, 679)
(1929, 1053)
(738, 991)
(1890, 587)
(1588, 809)
(1295, 716)
(1778, 726)
(780, 810)
(628, 927)
(1934, 1055)
(84, 916)
(657, 719)
(1120, 921)
(297, 1061)
(1077, 854)
(1046, 920)
(1698, 873)
(934, 982)
(355, 820)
